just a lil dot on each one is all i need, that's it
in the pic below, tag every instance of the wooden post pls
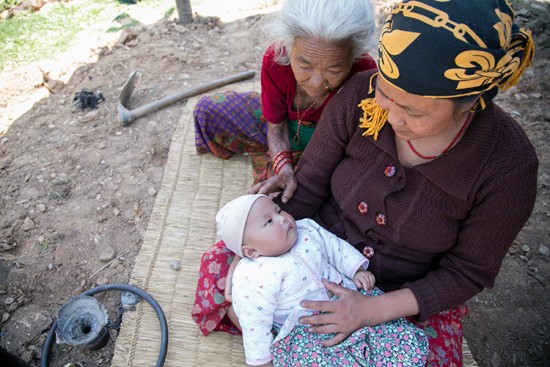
(184, 11)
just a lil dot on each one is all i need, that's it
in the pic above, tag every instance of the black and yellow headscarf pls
(449, 49)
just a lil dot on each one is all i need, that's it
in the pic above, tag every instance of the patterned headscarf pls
(449, 49)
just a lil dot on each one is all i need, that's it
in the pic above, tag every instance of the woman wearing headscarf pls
(419, 169)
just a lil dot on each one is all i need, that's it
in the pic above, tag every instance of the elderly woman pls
(419, 169)
(319, 45)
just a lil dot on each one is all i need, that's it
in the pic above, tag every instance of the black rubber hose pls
(121, 287)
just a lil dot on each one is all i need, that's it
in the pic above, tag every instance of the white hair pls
(346, 22)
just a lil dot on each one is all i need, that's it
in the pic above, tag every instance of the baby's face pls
(269, 230)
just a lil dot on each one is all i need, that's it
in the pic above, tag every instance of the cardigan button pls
(363, 207)
(368, 252)
(390, 170)
(381, 219)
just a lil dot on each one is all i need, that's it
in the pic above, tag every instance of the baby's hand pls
(363, 279)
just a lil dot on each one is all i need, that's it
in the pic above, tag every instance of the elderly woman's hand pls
(285, 181)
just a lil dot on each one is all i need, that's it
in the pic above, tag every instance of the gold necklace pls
(296, 139)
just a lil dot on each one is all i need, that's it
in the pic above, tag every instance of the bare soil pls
(77, 188)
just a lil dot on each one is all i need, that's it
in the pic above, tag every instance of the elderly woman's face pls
(415, 117)
(319, 66)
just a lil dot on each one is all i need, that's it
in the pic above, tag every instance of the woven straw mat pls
(181, 228)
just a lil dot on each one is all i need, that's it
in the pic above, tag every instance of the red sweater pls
(279, 88)
(449, 222)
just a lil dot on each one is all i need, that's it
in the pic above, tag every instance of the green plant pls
(44, 244)
(30, 37)
(9, 4)
(125, 21)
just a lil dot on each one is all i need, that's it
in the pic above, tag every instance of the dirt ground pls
(77, 187)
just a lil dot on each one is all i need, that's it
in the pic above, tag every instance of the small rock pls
(521, 96)
(543, 250)
(102, 280)
(9, 300)
(28, 224)
(28, 356)
(523, 258)
(116, 212)
(180, 29)
(5, 317)
(37, 350)
(107, 254)
(113, 333)
(152, 191)
(63, 251)
(41, 208)
(174, 264)
(525, 248)
(12, 307)
(29, 322)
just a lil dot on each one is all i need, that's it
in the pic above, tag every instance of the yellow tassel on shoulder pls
(374, 117)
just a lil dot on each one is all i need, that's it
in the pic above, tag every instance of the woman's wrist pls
(389, 306)
(286, 164)
(282, 159)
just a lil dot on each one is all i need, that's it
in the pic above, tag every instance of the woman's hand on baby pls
(364, 279)
(350, 312)
(285, 181)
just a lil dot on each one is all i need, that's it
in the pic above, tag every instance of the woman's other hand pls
(285, 181)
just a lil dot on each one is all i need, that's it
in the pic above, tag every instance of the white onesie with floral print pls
(267, 291)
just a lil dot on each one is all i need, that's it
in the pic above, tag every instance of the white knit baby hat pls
(231, 220)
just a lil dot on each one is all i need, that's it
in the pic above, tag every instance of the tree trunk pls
(184, 11)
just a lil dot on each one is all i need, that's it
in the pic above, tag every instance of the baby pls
(284, 262)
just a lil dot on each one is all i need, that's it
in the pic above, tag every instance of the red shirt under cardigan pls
(441, 228)
(279, 88)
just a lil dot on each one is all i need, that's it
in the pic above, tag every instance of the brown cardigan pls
(449, 222)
